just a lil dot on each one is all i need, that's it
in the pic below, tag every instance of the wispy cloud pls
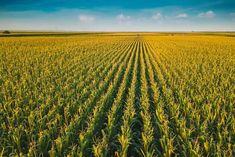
(182, 15)
(157, 16)
(121, 18)
(232, 14)
(106, 19)
(86, 19)
(208, 14)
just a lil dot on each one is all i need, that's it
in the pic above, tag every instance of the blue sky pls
(118, 15)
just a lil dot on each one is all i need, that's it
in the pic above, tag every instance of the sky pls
(117, 15)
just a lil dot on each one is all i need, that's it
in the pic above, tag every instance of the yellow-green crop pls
(117, 95)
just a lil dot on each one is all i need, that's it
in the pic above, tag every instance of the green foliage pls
(117, 96)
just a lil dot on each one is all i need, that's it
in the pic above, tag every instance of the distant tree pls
(6, 32)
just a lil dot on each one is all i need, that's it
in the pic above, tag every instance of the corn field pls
(117, 95)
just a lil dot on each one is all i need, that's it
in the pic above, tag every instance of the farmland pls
(117, 95)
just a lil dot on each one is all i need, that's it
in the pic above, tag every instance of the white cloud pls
(208, 14)
(86, 18)
(182, 15)
(157, 16)
(232, 14)
(123, 17)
